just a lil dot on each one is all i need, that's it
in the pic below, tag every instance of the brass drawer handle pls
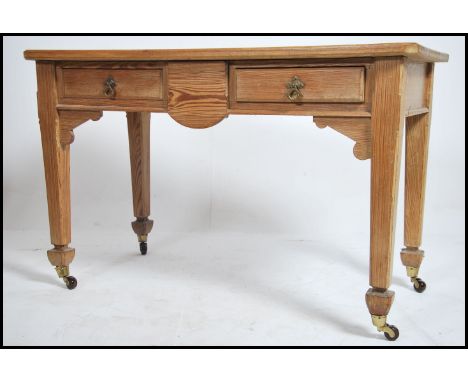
(109, 87)
(294, 89)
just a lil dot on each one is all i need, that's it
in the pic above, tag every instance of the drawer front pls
(112, 84)
(317, 84)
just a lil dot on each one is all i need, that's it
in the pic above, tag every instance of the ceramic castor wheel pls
(70, 282)
(391, 333)
(419, 285)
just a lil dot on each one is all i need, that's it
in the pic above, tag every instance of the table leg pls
(387, 126)
(57, 173)
(417, 141)
(417, 146)
(139, 143)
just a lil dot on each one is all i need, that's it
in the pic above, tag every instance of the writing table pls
(369, 93)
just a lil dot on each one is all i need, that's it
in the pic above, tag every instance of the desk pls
(372, 94)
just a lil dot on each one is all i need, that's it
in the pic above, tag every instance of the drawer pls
(314, 84)
(124, 83)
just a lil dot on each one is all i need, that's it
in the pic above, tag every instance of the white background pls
(262, 223)
(252, 16)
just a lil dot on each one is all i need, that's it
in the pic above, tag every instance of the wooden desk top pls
(412, 51)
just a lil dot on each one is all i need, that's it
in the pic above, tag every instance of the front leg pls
(387, 126)
(57, 173)
(139, 143)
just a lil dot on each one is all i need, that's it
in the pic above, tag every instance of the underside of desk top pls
(412, 51)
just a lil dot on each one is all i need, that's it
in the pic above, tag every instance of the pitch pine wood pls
(142, 226)
(412, 257)
(307, 109)
(417, 151)
(329, 84)
(140, 86)
(411, 113)
(418, 78)
(197, 93)
(70, 119)
(130, 84)
(413, 51)
(61, 256)
(358, 129)
(139, 144)
(365, 92)
(285, 106)
(56, 156)
(379, 303)
(310, 109)
(113, 105)
(387, 128)
(417, 143)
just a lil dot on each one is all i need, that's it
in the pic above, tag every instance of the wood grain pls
(197, 93)
(418, 76)
(154, 106)
(130, 84)
(364, 92)
(109, 65)
(412, 257)
(310, 109)
(417, 143)
(139, 145)
(413, 51)
(142, 226)
(327, 109)
(70, 119)
(358, 129)
(417, 151)
(328, 84)
(379, 303)
(302, 63)
(61, 256)
(387, 129)
(422, 110)
(56, 156)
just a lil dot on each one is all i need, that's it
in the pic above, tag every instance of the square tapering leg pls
(387, 126)
(417, 151)
(57, 173)
(139, 144)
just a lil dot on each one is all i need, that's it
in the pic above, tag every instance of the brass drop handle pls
(109, 87)
(294, 89)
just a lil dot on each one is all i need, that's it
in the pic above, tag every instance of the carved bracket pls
(70, 119)
(356, 128)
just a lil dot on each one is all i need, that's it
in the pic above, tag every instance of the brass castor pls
(391, 332)
(418, 284)
(143, 245)
(64, 273)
